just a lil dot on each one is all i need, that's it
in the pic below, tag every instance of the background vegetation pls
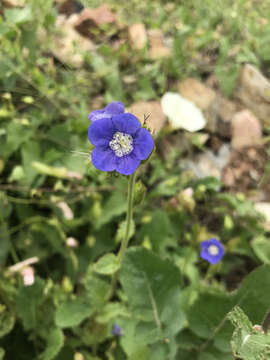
(169, 303)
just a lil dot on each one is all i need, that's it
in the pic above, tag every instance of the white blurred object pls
(28, 276)
(182, 113)
(71, 242)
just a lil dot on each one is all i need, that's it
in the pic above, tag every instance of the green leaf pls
(121, 231)
(116, 205)
(107, 264)
(209, 313)
(254, 294)
(54, 344)
(248, 343)
(72, 313)
(7, 321)
(149, 282)
(4, 240)
(261, 247)
(17, 16)
(2, 353)
(28, 300)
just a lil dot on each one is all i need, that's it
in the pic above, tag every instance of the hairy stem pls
(124, 243)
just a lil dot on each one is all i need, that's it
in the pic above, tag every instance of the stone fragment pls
(158, 48)
(137, 36)
(153, 109)
(264, 209)
(254, 91)
(69, 7)
(246, 130)
(68, 46)
(209, 164)
(14, 3)
(94, 18)
(195, 91)
(217, 109)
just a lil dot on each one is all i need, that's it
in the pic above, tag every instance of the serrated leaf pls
(248, 343)
(107, 265)
(72, 313)
(54, 344)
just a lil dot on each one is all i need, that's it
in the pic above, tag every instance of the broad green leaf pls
(107, 265)
(7, 320)
(248, 343)
(2, 353)
(54, 344)
(148, 281)
(72, 313)
(28, 300)
(261, 247)
(254, 294)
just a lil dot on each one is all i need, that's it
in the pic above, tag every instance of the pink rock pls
(246, 130)
(137, 36)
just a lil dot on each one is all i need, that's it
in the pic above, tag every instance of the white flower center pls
(213, 250)
(121, 144)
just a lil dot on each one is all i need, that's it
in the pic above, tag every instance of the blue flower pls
(114, 108)
(120, 143)
(212, 250)
(117, 330)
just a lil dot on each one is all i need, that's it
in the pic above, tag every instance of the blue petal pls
(127, 165)
(96, 115)
(101, 132)
(103, 159)
(126, 123)
(143, 144)
(115, 108)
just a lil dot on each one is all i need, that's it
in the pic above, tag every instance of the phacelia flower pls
(117, 330)
(212, 250)
(114, 108)
(120, 143)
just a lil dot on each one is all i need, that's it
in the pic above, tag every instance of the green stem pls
(124, 244)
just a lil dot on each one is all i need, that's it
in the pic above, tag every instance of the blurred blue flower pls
(117, 330)
(120, 143)
(212, 250)
(114, 108)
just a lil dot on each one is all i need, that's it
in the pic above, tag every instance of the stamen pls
(121, 144)
(213, 250)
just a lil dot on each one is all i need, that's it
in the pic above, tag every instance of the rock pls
(254, 91)
(158, 49)
(137, 36)
(217, 109)
(209, 164)
(14, 3)
(94, 18)
(195, 91)
(142, 109)
(264, 209)
(182, 113)
(68, 46)
(245, 169)
(69, 7)
(246, 130)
